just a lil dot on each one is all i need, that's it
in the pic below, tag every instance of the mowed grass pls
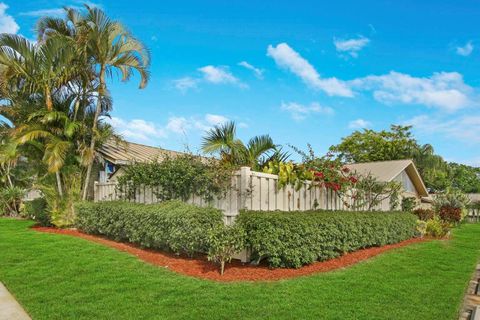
(62, 277)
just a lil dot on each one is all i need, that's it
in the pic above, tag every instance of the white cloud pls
(299, 112)
(44, 12)
(186, 83)
(289, 59)
(443, 90)
(465, 129)
(178, 124)
(137, 129)
(215, 119)
(359, 124)
(258, 72)
(466, 50)
(350, 46)
(7, 23)
(218, 75)
(183, 125)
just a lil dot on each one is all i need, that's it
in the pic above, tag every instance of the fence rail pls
(252, 191)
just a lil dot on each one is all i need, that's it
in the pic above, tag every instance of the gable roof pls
(125, 152)
(386, 171)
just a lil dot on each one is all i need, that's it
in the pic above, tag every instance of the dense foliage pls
(37, 210)
(178, 178)
(171, 225)
(293, 239)
(54, 95)
(424, 214)
(399, 143)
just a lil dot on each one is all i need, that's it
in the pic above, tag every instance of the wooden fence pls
(252, 191)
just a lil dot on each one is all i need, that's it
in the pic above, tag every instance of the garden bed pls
(199, 267)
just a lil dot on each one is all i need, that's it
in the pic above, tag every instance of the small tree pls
(370, 192)
(224, 242)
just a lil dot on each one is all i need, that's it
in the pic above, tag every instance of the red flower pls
(353, 180)
(319, 175)
(345, 169)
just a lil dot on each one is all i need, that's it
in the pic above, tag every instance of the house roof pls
(386, 171)
(125, 152)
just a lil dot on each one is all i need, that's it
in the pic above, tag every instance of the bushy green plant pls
(408, 204)
(171, 225)
(424, 214)
(224, 242)
(37, 210)
(451, 198)
(11, 200)
(437, 228)
(293, 239)
(421, 228)
(177, 178)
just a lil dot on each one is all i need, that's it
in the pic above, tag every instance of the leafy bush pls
(421, 228)
(37, 210)
(424, 214)
(293, 239)
(171, 225)
(224, 242)
(437, 228)
(451, 198)
(408, 204)
(177, 178)
(11, 201)
(450, 214)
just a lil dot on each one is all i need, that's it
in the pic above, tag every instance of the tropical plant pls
(370, 192)
(11, 199)
(222, 140)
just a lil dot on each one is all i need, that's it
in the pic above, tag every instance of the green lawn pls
(62, 277)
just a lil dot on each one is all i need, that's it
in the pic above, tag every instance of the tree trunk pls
(59, 184)
(48, 99)
(222, 267)
(94, 129)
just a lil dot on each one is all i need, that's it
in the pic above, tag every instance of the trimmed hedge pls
(293, 239)
(171, 225)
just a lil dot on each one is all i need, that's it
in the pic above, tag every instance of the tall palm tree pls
(112, 49)
(222, 140)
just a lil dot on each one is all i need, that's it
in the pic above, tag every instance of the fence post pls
(95, 191)
(245, 174)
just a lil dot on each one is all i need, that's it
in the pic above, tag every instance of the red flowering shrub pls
(450, 214)
(424, 214)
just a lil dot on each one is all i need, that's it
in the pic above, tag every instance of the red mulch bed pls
(199, 267)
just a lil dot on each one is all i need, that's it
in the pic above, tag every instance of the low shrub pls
(408, 204)
(450, 214)
(223, 243)
(293, 239)
(437, 228)
(421, 228)
(424, 214)
(171, 225)
(37, 210)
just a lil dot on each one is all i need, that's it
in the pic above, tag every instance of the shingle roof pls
(128, 152)
(388, 170)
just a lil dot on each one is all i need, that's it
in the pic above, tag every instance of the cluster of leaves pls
(408, 204)
(177, 177)
(370, 192)
(293, 239)
(37, 210)
(424, 214)
(11, 201)
(399, 143)
(172, 225)
(222, 140)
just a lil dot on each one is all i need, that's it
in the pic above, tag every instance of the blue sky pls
(303, 72)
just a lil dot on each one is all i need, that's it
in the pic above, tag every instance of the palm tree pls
(222, 140)
(111, 48)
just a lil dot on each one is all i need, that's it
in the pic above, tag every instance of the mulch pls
(200, 267)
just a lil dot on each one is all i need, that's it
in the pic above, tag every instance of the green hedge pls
(293, 239)
(171, 225)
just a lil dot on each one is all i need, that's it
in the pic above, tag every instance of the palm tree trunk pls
(59, 184)
(94, 129)
(48, 99)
